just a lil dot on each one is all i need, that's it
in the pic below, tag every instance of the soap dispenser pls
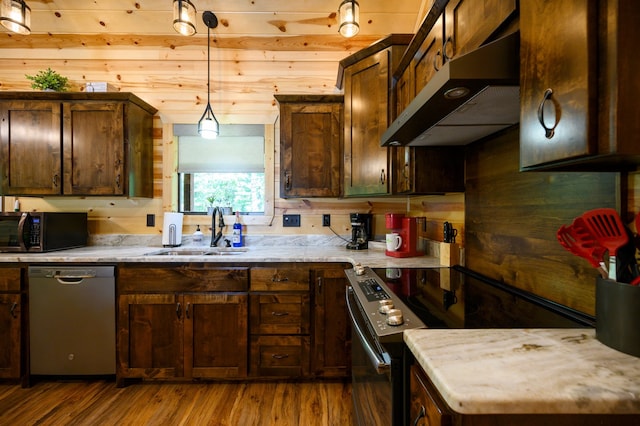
(198, 237)
(236, 239)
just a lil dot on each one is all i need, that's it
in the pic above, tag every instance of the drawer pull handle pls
(178, 310)
(279, 279)
(279, 314)
(548, 131)
(187, 310)
(280, 356)
(12, 311)
(421, 415)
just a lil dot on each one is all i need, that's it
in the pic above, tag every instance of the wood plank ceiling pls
(261, 47)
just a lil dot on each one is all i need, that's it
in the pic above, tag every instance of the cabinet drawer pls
(10, 279)
(279, 313)
(186, 277)
(280, 279)
(280, 356)
(426, 406)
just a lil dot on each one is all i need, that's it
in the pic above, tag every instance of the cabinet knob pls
(548, 131)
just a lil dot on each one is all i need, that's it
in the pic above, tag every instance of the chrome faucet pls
(215, 237)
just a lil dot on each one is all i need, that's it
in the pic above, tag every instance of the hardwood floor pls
(101, 403)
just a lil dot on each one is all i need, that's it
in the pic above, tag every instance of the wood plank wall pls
(512, 219)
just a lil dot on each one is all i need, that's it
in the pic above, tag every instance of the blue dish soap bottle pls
(236, 239)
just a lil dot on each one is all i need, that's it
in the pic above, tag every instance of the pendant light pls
(15, 15)
(184, 17)
(208, 126)
(349, 12)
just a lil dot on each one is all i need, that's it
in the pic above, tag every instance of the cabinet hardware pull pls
(178, 310)
(12, 311)
(435, 60)
(280, 356)
(118, 180)
(55, 180)
(277, 279)
(548, 131)
(187, 310)
(287, 181)
(320, 285)
(279, 314)
(448, 42)
(421, 415)
(382, 177)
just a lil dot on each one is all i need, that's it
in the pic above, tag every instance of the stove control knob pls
(394, 317)
(385, 305)
(358, 269)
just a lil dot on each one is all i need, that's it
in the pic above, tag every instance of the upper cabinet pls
(75, 144)
(579, 91)
(311, 131)
(366, 79)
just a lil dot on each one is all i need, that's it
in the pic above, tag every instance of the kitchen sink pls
(214, 251)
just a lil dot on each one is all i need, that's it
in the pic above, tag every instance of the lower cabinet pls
(10, 323)
(187, 321)
(191, 322)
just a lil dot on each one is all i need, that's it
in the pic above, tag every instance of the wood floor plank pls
(98, 402)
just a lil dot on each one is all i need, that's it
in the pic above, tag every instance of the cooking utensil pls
(577, 239)
(607, 227)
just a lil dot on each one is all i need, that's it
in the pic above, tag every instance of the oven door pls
(14, 228)
(377, 388)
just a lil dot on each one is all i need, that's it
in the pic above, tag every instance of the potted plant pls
(211, 199)
(49, 80)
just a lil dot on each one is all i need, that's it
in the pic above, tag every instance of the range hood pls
(470, 97)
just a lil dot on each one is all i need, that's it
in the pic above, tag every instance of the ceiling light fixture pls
(15, 15)
(184, 17)
(349, 12)
(208, 126)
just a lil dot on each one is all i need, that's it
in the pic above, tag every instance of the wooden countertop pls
(516, 371)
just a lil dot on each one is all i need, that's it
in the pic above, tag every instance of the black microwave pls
(37, 232)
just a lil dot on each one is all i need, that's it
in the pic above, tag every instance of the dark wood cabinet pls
(311, 131)
(426, 408)
(280, 321)
(10, 323)
(75, 144)
(368, 108)
(188, 321)
(332, 332)
(578, 102)
(428, 170)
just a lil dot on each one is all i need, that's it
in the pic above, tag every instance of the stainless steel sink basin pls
(214, 251)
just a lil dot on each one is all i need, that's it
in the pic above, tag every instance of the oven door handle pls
(379, 363)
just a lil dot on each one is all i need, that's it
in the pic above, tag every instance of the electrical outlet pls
(151, 220)
(291, 220)
(326, 220)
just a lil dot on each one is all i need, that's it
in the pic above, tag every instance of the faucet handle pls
(227, 242)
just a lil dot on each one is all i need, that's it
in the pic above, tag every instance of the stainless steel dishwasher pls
(72, 325)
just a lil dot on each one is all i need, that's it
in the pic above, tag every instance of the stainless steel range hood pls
(470, 97)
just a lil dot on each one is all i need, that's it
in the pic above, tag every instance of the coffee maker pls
(407, 228)
(360, 231)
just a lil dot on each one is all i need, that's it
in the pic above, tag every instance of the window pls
(228, 171)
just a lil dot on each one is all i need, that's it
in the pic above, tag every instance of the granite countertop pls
(373, 257)
(514, 371)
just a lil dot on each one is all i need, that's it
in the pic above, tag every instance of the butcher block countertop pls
(517, 371)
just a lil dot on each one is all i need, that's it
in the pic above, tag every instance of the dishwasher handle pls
(72, 278)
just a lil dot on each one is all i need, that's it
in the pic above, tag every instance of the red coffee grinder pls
(407, 228)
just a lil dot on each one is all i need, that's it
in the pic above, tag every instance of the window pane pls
(243, 192)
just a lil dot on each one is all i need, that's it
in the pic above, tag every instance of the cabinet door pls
(332, 332)
(216, 332)
(310, 146)
(94, 141)
(30, 148)
(470, 23)
(10, 341)
(366, 97)
(561, 58)
(429, 58)
(426, 407)
(150, 336)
